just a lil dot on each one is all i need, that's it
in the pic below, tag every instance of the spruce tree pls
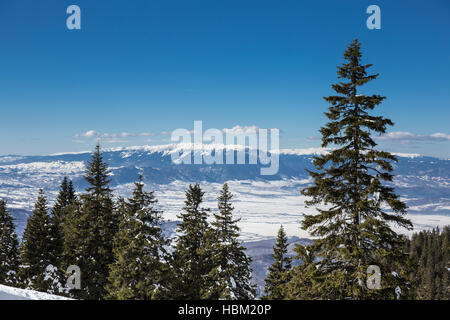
(39, 250)
(89, 230)
(304, 278)
(77, 240)
(353, 229)
(279, 270)
(429, 279)
(231, 275)
(191, 263)
(9, 248)
(139, 271)
(445, 263)
(66, 197)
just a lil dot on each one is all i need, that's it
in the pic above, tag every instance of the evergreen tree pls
(39, 250)
(77, 240)
(231, 275)
(191, 263)
(9, 248)
(352, 229)
(279, 270)
(430, 251)
(304, 278)
(89, 230)
(66, 197)
(139, 271)
(445, 263)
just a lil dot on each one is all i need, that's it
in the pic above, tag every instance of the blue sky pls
(155, 66)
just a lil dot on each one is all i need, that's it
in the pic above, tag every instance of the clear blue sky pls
(154, 66)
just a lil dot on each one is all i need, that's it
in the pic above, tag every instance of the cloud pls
(234, 130)
(127, 134)
(88, 134)
(247, 130)
(241, 129)
(78, 141)
(109, 137)
(147, 134)
(123, 137)
(115, 140)
(406, 137)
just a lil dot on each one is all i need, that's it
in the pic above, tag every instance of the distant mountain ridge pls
(155, 163)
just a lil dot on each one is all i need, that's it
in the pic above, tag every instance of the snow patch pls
(10, 293)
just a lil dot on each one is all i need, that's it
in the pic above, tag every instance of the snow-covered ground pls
(264, 205)
(10, 293)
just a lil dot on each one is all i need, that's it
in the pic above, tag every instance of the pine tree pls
(352, 229)
(190, 262)
(66, 197)
(89, 230)
(77, 241)
(422, 286)
(231, 275)
(279, 270)
(304, 278)
(139, 271)
(39, 250)
(445, 254)
(9, 248)
(430, 251)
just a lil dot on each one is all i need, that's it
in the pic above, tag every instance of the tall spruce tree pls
(279, 270)
(231, 275)
(139, 272)
(190, 262)
(89, 230)
(353, 230)
(39, 250)
(9, 248)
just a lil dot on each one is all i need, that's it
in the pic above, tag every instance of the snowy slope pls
(10, 293)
